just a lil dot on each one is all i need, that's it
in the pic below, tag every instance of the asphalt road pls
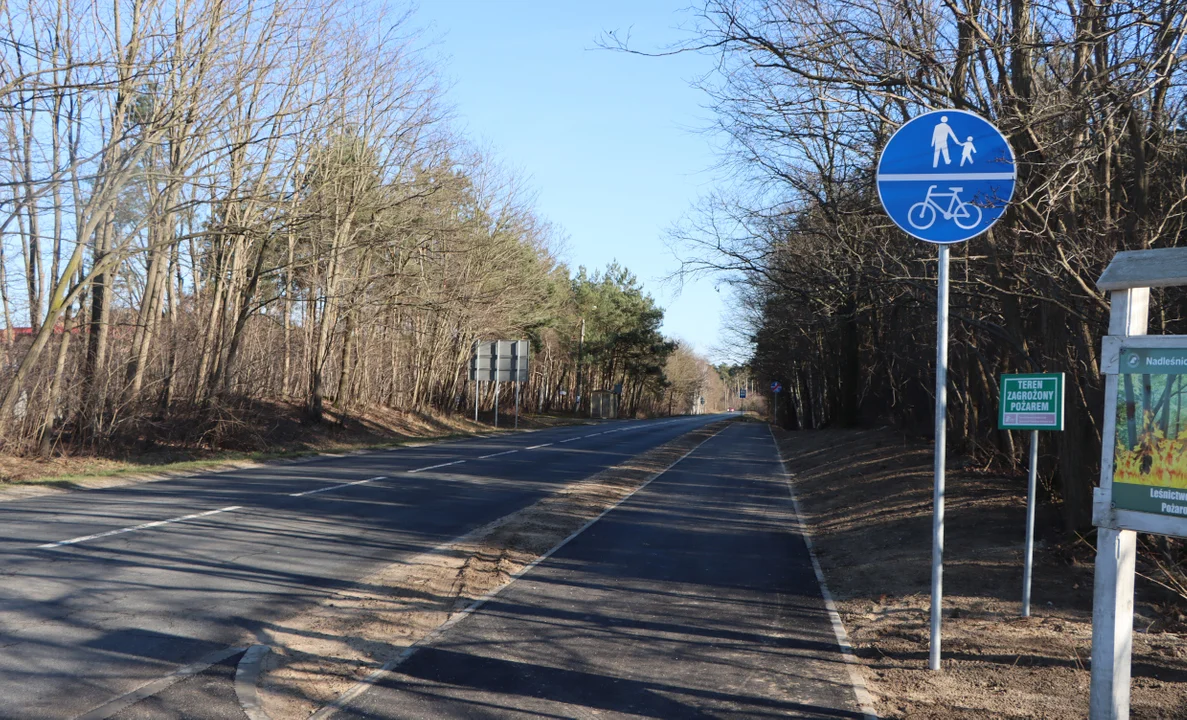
(104, 591)
(694, 599)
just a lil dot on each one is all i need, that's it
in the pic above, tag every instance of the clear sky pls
(613, 143)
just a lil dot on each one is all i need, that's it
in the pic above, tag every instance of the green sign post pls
(1031, 402)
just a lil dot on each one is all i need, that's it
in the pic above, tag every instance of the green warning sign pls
(1031, 402)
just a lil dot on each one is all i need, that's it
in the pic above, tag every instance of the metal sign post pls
(1031, 402)
(937, 518)
(776, 387)
(944, 204)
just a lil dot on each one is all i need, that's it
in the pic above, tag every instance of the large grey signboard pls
(500, 361)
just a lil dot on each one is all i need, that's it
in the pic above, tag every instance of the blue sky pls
(613, 143)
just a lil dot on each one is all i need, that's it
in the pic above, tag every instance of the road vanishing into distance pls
(695, 598)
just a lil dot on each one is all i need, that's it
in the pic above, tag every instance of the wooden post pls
(1112, 594)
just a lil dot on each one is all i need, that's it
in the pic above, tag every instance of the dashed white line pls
(143, 526)
(534, 447)
(573, 439)
(505, 452)
(337, 487)
(433, 467)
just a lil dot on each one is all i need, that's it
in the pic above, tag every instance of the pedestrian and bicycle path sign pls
(946, 176)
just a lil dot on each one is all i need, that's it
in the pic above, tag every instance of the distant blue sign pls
(776, 386)
(742, 393)
(946, 176)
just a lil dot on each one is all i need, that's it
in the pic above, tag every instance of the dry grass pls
(867, 497)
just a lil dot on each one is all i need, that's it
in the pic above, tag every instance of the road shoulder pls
(866, 496)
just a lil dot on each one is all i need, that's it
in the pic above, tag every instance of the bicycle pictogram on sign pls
(922, 214)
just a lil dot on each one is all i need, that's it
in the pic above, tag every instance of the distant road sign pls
(776, 386)
(742, 393)
(500, 360)
(946, 176)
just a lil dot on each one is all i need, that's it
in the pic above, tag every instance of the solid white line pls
(432, 467)
(336, 487)
(940, 177)
(361, 687)
(144, 526)
(536, 447)
(121, 703)
(864, 700)
(505, 452)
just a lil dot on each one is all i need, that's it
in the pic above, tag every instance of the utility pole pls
(580, 353)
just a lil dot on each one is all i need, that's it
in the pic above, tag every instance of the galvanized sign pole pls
(1031, 402)
(937, 520)
(944, 204)
(1031, 485)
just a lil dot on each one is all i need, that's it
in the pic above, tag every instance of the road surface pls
(104, 591)
(694, 599)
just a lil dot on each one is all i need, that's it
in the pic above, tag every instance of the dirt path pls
(867, 497)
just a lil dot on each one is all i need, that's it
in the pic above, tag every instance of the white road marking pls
(345, 698)
(535, 447)
(432, 467)
(123, 702)
(144, 526)
(337, 487)
(505, 452)
(573, 439)
(864, 699)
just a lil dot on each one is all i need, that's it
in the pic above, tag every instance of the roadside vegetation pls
(839, 305)
(210, 209)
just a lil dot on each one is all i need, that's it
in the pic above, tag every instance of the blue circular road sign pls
(946, 176)
(776, 386)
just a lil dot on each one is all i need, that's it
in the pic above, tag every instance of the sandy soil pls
(320, 654)
(867, 497)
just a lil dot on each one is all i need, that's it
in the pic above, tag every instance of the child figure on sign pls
(969, 149)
